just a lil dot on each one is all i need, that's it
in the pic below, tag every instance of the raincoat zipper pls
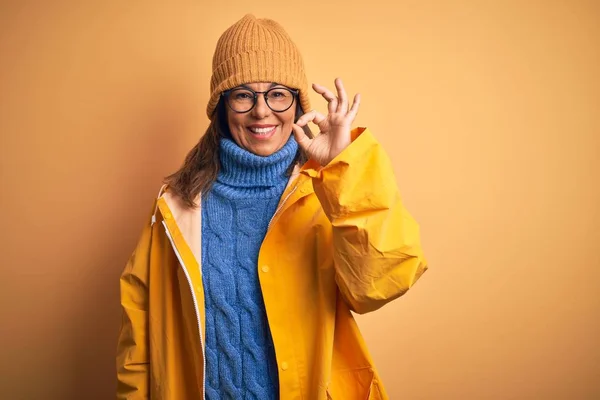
(196, 308)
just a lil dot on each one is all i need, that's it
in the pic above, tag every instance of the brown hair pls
(201, 166)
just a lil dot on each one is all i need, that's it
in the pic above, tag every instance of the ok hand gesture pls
(334, 135)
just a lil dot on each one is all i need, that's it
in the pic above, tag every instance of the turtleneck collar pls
(244, 174)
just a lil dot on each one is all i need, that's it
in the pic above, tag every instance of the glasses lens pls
(280, 99)
(241, 100)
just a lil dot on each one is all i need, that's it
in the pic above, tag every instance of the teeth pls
(262, 131)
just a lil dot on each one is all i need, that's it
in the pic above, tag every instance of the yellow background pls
(489, 111)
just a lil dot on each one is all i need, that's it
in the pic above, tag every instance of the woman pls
(242, 283)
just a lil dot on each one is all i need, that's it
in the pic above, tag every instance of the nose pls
(261, 110)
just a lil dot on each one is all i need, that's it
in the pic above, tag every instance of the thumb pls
(303, 140)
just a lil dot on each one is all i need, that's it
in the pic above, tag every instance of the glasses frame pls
(294, 92)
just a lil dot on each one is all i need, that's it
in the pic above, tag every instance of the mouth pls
(262, 132)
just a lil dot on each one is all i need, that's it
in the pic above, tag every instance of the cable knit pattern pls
(240, 357)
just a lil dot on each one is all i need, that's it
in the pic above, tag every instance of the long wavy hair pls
(202, 164)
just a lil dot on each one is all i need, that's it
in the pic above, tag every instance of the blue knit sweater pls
(240, 357)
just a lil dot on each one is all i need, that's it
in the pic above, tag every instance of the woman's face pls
(261, 130)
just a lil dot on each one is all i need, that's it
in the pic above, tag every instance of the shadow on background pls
(99, 103)
(98, 312)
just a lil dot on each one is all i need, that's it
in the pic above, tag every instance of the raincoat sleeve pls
(132, 349)
(377, 250)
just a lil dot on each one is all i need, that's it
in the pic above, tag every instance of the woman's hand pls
(334, 135)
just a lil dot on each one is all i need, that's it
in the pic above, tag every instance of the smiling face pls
(261, 130)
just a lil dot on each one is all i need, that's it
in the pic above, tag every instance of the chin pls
(267, 148)
(264, 150)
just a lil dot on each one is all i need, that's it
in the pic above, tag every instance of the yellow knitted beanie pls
(256, 50)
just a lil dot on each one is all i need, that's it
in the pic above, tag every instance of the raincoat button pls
(284, 366)
(167, 216)
(303, 190)
(265, 268)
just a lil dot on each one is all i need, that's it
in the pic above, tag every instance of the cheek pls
(288, 120)
(236, 124)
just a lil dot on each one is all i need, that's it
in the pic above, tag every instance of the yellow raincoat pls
(339, 241)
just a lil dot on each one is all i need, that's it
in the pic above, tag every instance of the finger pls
(343, 98)
(318, 118)
(311, 116)
(355, 105)
(321, 121)
(301, 138)
(306, 118)
(328, 95)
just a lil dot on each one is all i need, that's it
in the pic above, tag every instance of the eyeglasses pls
(242, 100)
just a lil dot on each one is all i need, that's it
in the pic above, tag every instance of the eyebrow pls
(270, 87)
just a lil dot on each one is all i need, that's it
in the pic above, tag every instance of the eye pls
(242, 95)
(279, 94)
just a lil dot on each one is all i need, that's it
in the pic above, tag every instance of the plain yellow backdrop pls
(489, 111)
